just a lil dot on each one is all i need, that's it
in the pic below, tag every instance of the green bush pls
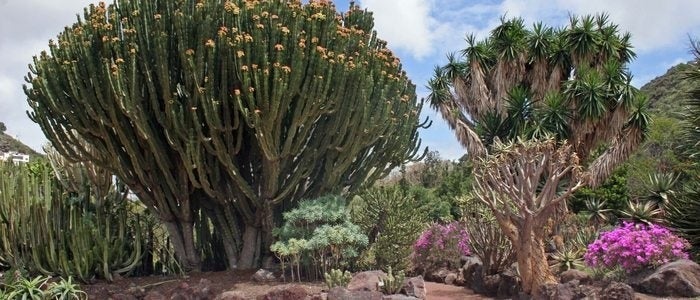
(318, 235)
(392, 221)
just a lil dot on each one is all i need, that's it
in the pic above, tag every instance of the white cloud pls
(654, 24)
(25, 28)
(405, 24)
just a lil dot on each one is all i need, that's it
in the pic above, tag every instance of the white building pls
(14, 157)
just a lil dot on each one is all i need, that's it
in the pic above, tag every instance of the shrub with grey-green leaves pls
(318, 236)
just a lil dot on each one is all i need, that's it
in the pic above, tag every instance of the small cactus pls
(392, 284)
(337, 277)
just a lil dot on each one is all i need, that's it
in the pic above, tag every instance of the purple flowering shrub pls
(635, 246)
(440, 246)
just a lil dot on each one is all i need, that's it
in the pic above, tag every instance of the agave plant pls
(66, 289)
(661, 188)
(642, 212)
(567, 258)
(596, 211)
(30, 289)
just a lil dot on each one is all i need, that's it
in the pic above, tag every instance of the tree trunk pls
(182, 239)
(251, 245)
(532, 261)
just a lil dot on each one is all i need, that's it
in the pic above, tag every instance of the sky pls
(420, 32)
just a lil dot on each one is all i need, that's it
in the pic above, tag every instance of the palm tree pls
(568, 83)
(571, 83)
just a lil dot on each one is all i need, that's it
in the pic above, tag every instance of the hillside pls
(668, 92)
(10, 144)
(660, 152)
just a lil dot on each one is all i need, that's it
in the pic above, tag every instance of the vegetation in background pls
(683, 211)
(392, 220)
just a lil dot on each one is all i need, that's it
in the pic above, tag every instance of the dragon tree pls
(571, 84)
(232, 109)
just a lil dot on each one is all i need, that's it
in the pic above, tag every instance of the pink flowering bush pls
(633, 247)
(440, 246)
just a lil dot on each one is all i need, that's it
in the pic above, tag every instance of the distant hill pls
(660, 152)
(10, 144)
(668, 92)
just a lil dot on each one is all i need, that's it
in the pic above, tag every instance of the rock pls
(451, 278)
(509, 284)
(490, 285)
(286, 292)
(263, 275)
(203, 290)
(398, 297)
(415, 287)
(471, 271)
(573, 274)
(437, 275)
(617, 291)
(567, 291)
(231, 295)
(680, 278)
(366, 281)
(339, 293)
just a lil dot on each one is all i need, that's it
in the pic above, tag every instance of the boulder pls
(451, 278)
(490, 285)
(415, 287)
(231, 295)
(509, 284)
(263, 275)
(680, 278)
(573, 274)
(438, 275)
(562, 291)
(471, 271)
(617, 291)
(339, 293)
(366, 281)
(286, 292)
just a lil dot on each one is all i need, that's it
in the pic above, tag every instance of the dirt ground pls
(233, 281)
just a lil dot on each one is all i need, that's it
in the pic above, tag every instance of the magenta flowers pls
(636, 246)
(440, 246)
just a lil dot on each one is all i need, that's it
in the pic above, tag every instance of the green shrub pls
(486, 239)
(392, 221)
(318, 234)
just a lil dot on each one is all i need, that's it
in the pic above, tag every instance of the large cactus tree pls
(234, 108)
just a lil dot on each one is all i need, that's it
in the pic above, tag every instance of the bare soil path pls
(439, 291)
(235, 281)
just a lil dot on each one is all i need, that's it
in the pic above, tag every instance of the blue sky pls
(420, 32)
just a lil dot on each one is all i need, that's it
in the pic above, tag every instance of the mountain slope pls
(10, 144)
(660, 153)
